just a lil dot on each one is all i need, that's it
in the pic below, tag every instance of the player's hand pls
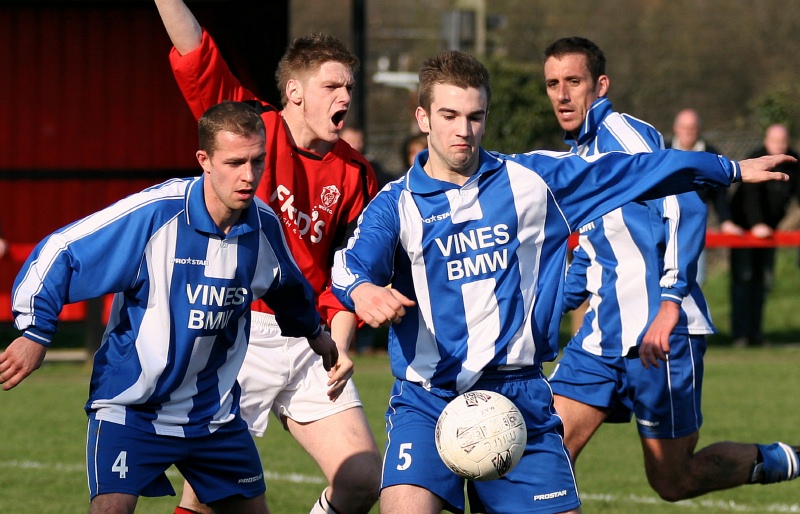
(22, 357)
(655, 343)
(760, 169)
(379, 306)
(339, 375)
(324, 346)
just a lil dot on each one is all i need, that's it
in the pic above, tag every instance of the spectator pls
(412, 145)
(355, 137)
(758, 208)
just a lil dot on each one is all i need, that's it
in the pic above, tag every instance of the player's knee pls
(359, 478)
(669, 491)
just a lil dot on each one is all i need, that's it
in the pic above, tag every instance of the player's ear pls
(204, 159)
(602, 86)
(423, 120)
(294, 91)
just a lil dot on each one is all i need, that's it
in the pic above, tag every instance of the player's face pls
(326, 97)
(232, 175)
(571, 89)
(455, 127)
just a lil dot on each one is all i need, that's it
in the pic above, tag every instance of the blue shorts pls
(121, 459)
(665, 400)
(542, 482)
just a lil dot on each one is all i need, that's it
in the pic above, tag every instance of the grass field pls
(750, 395)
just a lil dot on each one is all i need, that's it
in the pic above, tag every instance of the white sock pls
(321, 506)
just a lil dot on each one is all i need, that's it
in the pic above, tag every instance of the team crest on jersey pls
(330, 195)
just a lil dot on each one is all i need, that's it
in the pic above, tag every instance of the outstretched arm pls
(182, 27)
(759, 170)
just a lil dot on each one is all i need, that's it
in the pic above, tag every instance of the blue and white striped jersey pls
(177, 333)
(485, 261)
(634, 257)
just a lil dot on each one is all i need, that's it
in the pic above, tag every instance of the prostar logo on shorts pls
(550, 496)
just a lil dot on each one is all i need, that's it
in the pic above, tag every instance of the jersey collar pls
(598, 111)
(417, 181)
(198, 218)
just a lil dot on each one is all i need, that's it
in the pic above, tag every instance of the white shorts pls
(284, 375)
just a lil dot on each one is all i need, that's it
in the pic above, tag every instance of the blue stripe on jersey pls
(485, 261)
(177, 333)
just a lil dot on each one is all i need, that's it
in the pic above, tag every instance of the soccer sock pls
(775, 463)
(184, 510)
(323, 506)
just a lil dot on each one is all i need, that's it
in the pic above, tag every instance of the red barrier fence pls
(714, 239)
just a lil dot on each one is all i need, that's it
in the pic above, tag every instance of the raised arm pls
(182, 27)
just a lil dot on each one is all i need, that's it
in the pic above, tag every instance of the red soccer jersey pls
(316, 197)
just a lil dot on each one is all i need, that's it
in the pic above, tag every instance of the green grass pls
(749, 396)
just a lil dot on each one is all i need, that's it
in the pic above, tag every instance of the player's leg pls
(413, 472)
(225, 470)
(676, 473)
(405, 498)
(586, 390)
(114, 502)
(123, 463)
(345, 450)
(580, 420)
(190, 504)
(336, 434)
(240, 505)
(544, 478)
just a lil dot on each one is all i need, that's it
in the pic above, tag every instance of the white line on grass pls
(298, 478)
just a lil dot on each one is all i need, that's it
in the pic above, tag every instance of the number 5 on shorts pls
(405, 456)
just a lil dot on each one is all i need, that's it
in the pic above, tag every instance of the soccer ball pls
(481, 435)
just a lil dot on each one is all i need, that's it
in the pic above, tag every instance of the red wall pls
(89, 111)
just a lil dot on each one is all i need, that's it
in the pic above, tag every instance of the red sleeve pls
(204, 78)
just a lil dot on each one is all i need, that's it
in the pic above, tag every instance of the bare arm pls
(182, 27)
(343, 328)
(758, 170)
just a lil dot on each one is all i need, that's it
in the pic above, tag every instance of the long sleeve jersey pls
(630, 260)
(316, 197)
(485, 261)
(179, 322)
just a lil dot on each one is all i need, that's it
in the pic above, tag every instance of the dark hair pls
(236, 117)
(307, 54)
(454, 68)
(595, 59)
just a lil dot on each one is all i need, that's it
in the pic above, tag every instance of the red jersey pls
(316, 197)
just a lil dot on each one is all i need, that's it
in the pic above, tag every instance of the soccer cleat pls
(780, 462)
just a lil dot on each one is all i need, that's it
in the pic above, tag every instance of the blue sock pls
(776, 462)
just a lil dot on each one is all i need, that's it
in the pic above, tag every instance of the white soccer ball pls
(481, 435)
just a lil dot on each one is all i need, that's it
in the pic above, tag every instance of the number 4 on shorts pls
(120, 465)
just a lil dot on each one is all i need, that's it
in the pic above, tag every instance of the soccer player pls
(641, 345)
(185, 258)
(473, 244)
(318, 185)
